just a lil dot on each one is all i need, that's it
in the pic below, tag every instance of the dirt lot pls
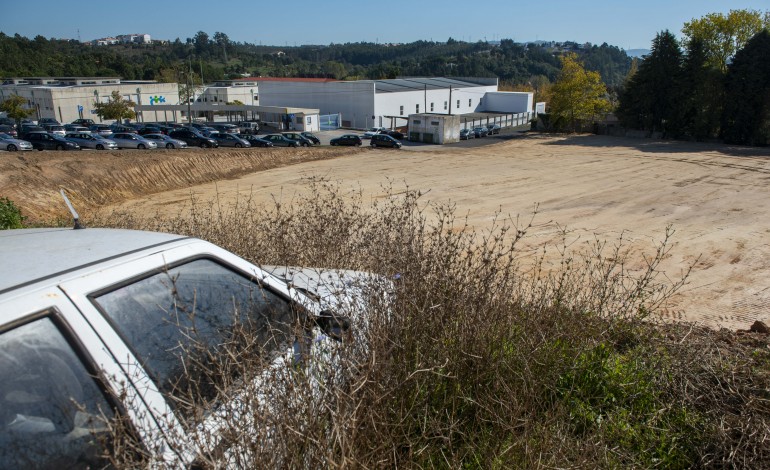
(715, 197)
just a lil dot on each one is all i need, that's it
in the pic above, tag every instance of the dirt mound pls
(95, 179)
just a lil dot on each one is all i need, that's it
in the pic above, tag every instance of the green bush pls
(10, 215)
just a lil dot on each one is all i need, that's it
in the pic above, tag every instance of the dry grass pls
(478, 360)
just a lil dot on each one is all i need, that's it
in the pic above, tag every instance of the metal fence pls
(330, 121)
(503, 120)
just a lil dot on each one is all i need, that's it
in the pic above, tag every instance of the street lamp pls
(96, 97)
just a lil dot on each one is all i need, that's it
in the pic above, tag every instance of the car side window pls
(179, 321)
(53, 414)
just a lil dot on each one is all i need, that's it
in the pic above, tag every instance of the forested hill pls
(218, 58)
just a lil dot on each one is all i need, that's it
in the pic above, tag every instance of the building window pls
(400, 110)
(416, 121)
(431, 107)
(458, 104)
(445, 105)
(469, 102)
(417, 109)
(434, 123)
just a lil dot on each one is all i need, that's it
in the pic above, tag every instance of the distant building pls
(123, 39)
(68, 98)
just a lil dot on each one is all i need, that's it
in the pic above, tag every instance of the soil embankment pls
(95, 179)
(715, 197)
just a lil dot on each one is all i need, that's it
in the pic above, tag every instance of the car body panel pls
(165, 141)
(62, 273)
(12, 144)
(280, 140)
(348, 140)
(132, 141)
(92, 141)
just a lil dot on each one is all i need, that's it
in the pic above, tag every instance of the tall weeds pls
(481, 357)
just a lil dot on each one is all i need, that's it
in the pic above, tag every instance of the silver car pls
(229, 140)
(165, 141)
(128, 140)
(12, 144)
(92, 141)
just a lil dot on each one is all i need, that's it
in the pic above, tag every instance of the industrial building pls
(373, 103)
(68, 98)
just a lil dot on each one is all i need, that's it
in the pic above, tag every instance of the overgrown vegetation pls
(10, 215)
(486, 355)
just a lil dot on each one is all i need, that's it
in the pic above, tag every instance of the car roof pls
(43, 253)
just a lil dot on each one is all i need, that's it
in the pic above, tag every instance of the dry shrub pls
(475, 359)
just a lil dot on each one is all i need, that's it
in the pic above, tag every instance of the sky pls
(622, 23)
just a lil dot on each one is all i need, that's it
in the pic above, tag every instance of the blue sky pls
(629, 25)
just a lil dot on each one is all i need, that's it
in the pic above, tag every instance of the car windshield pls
(179, 321)
(5, 136)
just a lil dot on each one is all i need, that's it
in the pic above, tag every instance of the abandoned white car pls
(99, 322)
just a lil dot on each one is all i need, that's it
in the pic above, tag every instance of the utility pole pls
(450, 99)
(425, 108)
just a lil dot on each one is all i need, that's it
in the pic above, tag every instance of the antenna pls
(75, 215)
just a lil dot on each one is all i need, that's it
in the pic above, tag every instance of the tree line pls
(216, 57)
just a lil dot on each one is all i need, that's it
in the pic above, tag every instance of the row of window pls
(432, 106)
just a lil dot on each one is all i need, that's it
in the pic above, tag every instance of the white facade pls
(67, 99)
(370, 103)
(508, 102)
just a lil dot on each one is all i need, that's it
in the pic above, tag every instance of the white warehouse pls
(369, 103)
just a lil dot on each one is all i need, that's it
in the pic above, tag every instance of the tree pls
(223, 42)
(702, 93)
(747, 102)
(201, 42)
(652, 97)
(724, 35)
(14, 108)
(117, 108)
(578, 95)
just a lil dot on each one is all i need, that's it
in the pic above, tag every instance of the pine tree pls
(652, 98)
(746, 118)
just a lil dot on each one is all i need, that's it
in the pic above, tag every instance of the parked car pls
(27, 128)
(206, 130)
(12, 144)
(229, 140)
(54, 129)
(255, 141)
(466, 134)
(347, 139)
(225, 128)
(46, 141)
(98, 324)
(395, 134)
(166, 141)
(128, 140)
(248, 127)
(122, 128)
(493, 128)
(6, 121)
(193, 137)
(150, 129)
(10, 130)
(92, 141)
(280, 140)
(311, 137)
(374, 131)
(480, 132)
(383, 140)
(303, 141)
(44, 121)
(76, 129)
(101, 129)
(83, 122)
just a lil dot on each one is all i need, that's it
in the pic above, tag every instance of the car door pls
(158, 311)
(58, 385)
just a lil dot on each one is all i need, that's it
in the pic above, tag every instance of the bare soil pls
(715, 197)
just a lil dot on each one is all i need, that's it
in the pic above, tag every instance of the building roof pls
(420, 84)
(284, 79)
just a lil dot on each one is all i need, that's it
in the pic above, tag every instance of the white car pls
(92, 141)
(129, 140)
(374, 131)
(12, 144)
(98, 322)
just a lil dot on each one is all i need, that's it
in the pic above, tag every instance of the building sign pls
(157, 99)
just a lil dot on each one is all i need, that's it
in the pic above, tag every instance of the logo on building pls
(157, 99)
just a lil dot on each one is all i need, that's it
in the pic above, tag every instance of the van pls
(249, 127)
